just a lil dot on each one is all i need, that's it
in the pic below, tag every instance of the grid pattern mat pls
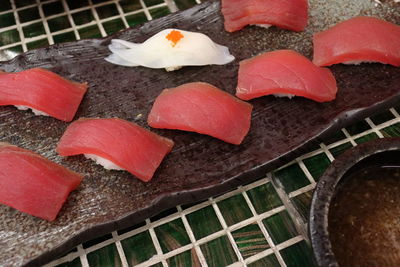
(260, 224)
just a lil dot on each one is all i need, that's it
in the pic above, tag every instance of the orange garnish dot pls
(174, 36)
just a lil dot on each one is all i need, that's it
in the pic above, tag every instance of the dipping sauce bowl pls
(355, 210)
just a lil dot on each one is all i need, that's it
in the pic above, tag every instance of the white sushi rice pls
(35, 111)
(357, 62)
(378, 2)
(266, 26)
(173, 68)
(107, 164)
(284, 95)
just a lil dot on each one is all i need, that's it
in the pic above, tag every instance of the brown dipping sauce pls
(364, 218)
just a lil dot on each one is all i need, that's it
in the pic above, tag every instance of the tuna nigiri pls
(43, 91)
(116, 144)
(286, 14)
(284, 73)
(33, 184)
(360, 39)
(202, 108)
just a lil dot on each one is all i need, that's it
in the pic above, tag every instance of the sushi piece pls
(360, 39)
(43, 91)
(286, 14)
(170, 49)
(116, 144)
(33, 184)
(284, 73)
(202, 108)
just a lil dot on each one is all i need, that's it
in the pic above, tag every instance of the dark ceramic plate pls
(199, 166)
(374, 154)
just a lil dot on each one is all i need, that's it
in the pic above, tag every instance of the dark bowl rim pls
(325, 189)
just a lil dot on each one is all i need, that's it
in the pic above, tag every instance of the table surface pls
(260, 224)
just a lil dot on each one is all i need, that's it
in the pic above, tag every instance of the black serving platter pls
(377, 153)
(199, 166)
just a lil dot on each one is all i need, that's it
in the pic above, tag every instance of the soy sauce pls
(364, 218)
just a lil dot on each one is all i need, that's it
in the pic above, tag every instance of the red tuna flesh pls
(124, 143)
(42, 90)
(202, 108)
(356, 40)
(33, 184)
(284, 72)
(286, 14)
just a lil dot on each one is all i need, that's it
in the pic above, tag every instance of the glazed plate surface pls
(199, 166)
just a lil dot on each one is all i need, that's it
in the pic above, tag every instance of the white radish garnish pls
(170, 49)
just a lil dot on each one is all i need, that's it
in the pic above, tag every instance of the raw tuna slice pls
(284, 73)
(360, 39)
(45, 92)
(202, 108)
(116, 144)
(33, 184)
(286, 14)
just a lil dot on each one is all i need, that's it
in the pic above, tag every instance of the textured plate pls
(199, 166)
